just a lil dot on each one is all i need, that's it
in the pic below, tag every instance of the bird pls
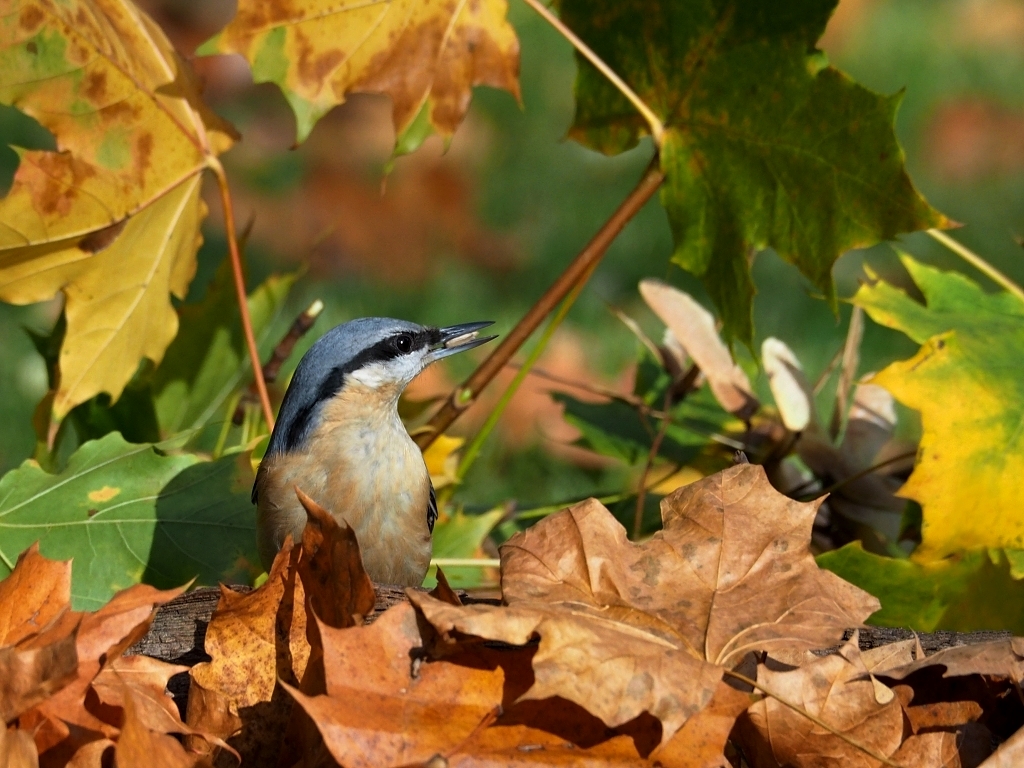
(339, 439)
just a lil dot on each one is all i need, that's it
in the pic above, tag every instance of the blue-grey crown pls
(323, 369)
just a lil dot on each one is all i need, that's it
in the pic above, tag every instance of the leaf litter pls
(699, 646)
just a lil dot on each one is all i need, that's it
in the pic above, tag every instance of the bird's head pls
(378, 353)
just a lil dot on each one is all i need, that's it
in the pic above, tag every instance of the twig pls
(848, 371)
(656, 126)
(978, 263)
(814, 719)
(473, 449)
(641, 494)
(855, 476)
(284, 348)
(638, 403)
(243, 300)
(466, 394)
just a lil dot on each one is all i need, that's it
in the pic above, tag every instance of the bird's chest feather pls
(361, 465)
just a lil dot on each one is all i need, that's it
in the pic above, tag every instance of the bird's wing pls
(431, 509)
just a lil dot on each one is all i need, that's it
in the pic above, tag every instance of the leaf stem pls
(465, 395)
(656, 126)
(641, 494)
(978, 263)
(813, 718)
(472, 451)
(243, 301)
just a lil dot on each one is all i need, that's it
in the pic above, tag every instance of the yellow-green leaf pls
(112, 219)
(967, 381)
(420, 53)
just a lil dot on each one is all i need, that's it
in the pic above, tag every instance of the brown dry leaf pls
(388, 704)
(423, 55)
(1010, 753)
(337, 588)
(627, 628)
(138, 745)
(35, 593)
(1000, 658)
(103, 636)
(694, 328)
(112, 219)
(930, 750)
(17, 749)
(836, 690)
(378, 712)
(254, 639)
(30, 676)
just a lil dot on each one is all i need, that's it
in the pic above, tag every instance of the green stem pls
(472, 451)
(978, 263)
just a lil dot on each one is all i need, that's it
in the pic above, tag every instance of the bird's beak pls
(459, 338)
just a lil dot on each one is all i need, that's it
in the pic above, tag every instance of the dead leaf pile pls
(697, 647)
(68, 695)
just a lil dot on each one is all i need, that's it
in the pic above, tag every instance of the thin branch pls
(814, 719)
(656, 126)
(977, 262)
(574, 274)
(848, 371)
(469, 456)
(281, 352)
(243, 300)
(855, 476)
(641, 494)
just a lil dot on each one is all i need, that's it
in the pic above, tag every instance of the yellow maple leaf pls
(968, 384)
(419, 53)
(112, 218)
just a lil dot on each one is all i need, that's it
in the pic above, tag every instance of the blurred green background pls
(478, 231)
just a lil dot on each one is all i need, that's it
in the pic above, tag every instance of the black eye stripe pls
(384, 350)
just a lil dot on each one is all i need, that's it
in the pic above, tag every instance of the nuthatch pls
(338, 437)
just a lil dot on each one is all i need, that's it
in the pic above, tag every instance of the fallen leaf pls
(835, 689)
(102, 637)
(377, 712)
(1010, 753)
(1000, 658)
(30, 676)
(254, 640)
(694, 328)
(966, 384)
(35, 593)
(425, 56)
(629, 628)
(139, 745)
(17, 749)
(112, 219)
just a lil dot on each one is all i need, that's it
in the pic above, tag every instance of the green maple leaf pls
(766, 145)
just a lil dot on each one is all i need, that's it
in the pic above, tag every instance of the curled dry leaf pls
(835, 689)
(140, 745)
(792, 393)
(37, 591)
(1001, 658)
(258, 639)
(103, 220)
(253, 639)
(694, 328)
(378, 712)
(29, 676)
(102, 637)
(425, 56)
(630, 628)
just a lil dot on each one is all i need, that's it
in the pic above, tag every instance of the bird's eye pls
(403, 343)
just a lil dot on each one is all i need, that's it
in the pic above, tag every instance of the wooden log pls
(178, 633)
